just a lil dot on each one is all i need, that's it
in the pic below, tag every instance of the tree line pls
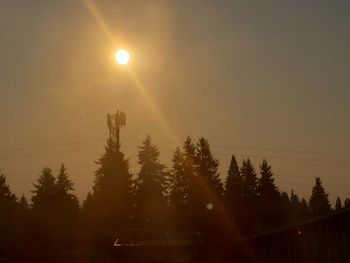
(190, 199)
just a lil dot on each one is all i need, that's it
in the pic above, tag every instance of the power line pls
(217, 153)
(49, 145)
(239, 147)
(47, 153)
(286, 158)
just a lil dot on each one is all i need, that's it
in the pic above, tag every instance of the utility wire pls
(239, 147)
(217, 153)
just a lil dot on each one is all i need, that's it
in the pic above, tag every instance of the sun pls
(122, 57)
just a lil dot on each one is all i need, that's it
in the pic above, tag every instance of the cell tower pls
(114, 123)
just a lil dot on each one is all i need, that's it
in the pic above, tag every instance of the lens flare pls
(122, 57)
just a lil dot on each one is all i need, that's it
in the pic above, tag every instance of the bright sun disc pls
(122, 57)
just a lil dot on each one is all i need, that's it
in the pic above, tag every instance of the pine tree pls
(347, 203)
(110, 206)
(179, 181)
(269, 202)
(23, 202)
(112, 191)
(207, 167)
(67, 203)
(286, 211)
(233, 192)
(7, 198)
(249, 183)
(266, 188)
(190, 170)
(233, 185)
(151, 182)
(64, 184)
(295, 207)
(192, 216)
(209, 191)
(338, 205)
(250, 201)
(319, 203)
(45, 192)
(179, 191)
(304, 210)
(7, 210)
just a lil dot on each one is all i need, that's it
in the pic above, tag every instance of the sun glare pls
(122, 57)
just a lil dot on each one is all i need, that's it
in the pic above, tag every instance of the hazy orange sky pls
(247, 75)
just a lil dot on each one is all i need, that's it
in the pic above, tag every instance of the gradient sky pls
(244, 74)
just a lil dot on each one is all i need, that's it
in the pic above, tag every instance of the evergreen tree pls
(209, 190)
(269, 198)
(179, 181)
(190, 170)
(249, 180)
(64, 187)
(23, 202)
(304, 210)
(112, 191)
(45, 217)
(298, 209)
(319, 203)
(233, 185)
(67, 204)
(207, 167)
(7, 198)
(87, 203)
(266, 188)
(44, 195)
(250, 202)
(151, 182)
(192, 216)
(110, 206)
(338, 205)
(286, 208)
(233, 191)
(7, 212)
(347, 203)
(64, 184)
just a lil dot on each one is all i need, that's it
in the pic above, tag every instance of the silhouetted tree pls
(286, 207)
(179, 190)
(7, 213)
(249, 184)
(269, 203)
(249, 194)
(23, 202)
(7, 198)
(190, 169)
(43, 225)
(319, 203)
(207, 167)
(64, 186)
(347, 203)
(192, 215)
(298, 208)
(150, 200)
(304, 209)
(109, 208)
(179, 183)
(67, 209)
(266, 188)
(112, 191)
(233, 190)
(210, 189)
(44, 194)
(233, 185)
(338, 205)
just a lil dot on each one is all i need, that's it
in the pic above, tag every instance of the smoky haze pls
(261, 79)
